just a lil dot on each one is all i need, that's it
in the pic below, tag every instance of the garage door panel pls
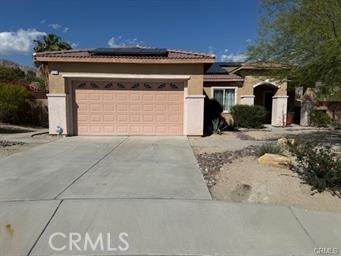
(108, 118)
(147, 118)
(148, 107)
(95, 118)
(95, 107)
(123, 118)
(129, 109)
(108, 97)
(94, 96)
(135, 107)
(135, 118)
(147, 97)
(122, 107)
(109, 107)
(173, 108)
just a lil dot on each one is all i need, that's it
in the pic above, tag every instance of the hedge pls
(248, 116)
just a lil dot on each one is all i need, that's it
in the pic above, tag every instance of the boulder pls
(274, 160)
(283, 142)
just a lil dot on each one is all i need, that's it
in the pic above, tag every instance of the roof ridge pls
(66, 51)
(192, 52)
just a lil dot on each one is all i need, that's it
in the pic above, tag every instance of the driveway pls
(104, 167)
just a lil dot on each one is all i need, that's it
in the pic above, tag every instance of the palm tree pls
(50, 42)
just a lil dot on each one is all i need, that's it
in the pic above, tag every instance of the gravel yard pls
(233, 173)
(244, 180)
(14, 139)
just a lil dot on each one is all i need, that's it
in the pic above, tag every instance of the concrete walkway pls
(149, 189)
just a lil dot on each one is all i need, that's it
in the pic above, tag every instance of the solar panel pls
(215, 68)
(130, 51)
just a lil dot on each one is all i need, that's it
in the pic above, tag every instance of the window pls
(226, 97)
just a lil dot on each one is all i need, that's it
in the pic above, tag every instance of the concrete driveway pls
(104, 167)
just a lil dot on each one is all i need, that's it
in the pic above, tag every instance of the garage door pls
(128, 108)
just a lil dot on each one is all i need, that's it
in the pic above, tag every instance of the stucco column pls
(247, 99)
(279, 110)
(194, 115)
(57, 112)
(306, 109)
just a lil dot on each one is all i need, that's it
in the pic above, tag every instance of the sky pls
(222, 27)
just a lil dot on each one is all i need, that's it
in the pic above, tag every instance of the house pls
(147, 91)
(311, 99)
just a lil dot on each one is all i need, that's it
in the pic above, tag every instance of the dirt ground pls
(15, 139)
(244, 180)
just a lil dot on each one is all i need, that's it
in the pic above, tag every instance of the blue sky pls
(224, 28)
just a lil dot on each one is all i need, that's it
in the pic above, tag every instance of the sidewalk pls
(168, 227)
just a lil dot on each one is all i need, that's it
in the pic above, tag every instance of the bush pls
(269, 148)
(320, 119)
(219, 124)
(319, 166)
(14, 104)
(248, 116)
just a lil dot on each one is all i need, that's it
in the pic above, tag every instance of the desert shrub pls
(319, 119)
(248, 116)
(14, 104)
(269, 148)
(218, 125)
(319, 166)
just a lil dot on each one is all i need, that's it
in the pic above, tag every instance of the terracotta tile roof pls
(87, 55)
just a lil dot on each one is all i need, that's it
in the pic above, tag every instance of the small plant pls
(320, 119)
(269, 148)
(248, 116)
(319, 166)
(218, 125)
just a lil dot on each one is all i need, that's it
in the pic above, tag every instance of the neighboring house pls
(310, 101)
(146, 91)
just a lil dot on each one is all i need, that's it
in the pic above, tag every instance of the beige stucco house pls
(145, 91)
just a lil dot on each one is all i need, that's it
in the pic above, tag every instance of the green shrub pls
(248, 116)
(319, 166)
(270, 148)
(14, 104)
(320, 119)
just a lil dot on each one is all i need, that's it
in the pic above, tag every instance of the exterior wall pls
(61, 112)
(57, 112)
(245, 95)
(195, 83)
(250, 81)
(194, 115)
(279, 110)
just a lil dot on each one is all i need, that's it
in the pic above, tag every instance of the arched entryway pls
(264, 93)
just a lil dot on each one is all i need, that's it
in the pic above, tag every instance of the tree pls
(306, 35)
(10, 74)
(50, 42)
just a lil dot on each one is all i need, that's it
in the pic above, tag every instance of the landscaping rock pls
(211, 164)
(274, 160)
(4, 143)
(284, 142)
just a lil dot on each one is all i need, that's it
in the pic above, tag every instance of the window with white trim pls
(226, 97)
